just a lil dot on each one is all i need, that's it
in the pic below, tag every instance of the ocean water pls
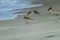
(6, 7)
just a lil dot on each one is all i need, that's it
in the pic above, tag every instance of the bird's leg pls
(27, 22)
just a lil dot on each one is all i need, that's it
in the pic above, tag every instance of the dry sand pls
(43, 27)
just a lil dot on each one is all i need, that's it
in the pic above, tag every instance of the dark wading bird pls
(36, 12)
(30, 13)
(27, 19)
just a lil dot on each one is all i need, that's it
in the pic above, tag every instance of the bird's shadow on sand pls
(50, 36)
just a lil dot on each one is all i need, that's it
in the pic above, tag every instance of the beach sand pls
(43, 27)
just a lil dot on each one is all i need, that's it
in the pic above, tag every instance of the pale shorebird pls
(53, 12)
(27, 19)
(50, 10)
(29, 13)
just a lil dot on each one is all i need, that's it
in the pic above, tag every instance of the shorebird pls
(27, 19)
(29, 13)
(50, 9)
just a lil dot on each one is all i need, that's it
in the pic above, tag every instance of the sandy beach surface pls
(43, 27)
